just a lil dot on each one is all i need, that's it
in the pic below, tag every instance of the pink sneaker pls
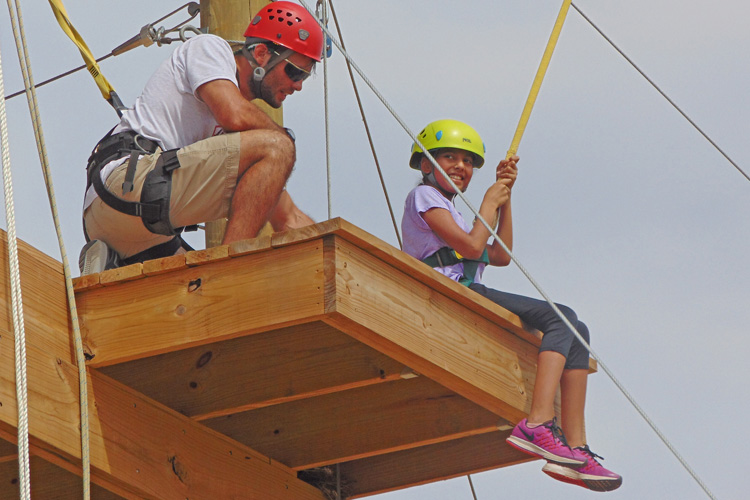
(591, 476)
(545, 441)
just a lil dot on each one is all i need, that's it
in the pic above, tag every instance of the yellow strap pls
(62, 17)
(539, 78)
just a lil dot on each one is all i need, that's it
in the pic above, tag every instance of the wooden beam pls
(48, 482)
(427, 464)
(44, 299)
(429, 332)
(203, 304)
(139, 449)
(358, 423)
(7, 449)
(257, 371)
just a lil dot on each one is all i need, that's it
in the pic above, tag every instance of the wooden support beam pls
(427, 464)
(358, 423)
(257, 371)
(139, 449)
(48, 482)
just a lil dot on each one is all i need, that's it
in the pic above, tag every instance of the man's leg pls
(266, 162)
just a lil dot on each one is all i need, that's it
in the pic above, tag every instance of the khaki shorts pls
(202, 190)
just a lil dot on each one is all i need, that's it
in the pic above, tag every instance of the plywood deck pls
(223, 373)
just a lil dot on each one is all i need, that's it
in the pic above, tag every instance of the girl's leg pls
(548, 374)
(572, 404)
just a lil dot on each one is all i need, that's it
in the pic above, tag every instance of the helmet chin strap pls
(433, 181)
(260, 72)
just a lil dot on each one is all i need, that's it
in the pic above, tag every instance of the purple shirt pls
(419, 240)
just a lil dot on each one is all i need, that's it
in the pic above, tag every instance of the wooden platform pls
(223, 373)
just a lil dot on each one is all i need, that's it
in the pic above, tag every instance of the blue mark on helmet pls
(439, 135)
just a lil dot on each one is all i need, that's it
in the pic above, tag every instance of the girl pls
(436, 233)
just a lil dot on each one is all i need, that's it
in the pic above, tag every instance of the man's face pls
(278, 83)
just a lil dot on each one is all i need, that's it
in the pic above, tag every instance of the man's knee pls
(268, 146)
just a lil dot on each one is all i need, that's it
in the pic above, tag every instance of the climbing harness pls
(153, 207)
(447, 256)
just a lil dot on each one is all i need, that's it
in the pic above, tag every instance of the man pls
(194, 148)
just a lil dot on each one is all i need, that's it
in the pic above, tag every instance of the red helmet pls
(289, 25)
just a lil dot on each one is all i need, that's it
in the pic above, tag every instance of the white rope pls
(19, 331)
(526, 273)
(23, 57)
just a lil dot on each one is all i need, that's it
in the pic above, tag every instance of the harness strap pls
(153, 207)
(447, 256)
(165, 249)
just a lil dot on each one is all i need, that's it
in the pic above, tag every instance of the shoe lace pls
(557, 432)
(585, 448)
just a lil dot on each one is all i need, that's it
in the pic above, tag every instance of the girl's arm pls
(472, 244)
(507, 171)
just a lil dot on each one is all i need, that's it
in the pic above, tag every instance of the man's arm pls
(233, 112)
(286, 215)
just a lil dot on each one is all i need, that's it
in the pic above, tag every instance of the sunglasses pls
(294, 72)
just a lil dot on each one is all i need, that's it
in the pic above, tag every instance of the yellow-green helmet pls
(448, 134)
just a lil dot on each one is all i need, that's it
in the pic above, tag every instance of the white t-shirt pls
(168, 111)
(419, 239)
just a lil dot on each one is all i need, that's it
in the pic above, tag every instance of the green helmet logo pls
(448, 134)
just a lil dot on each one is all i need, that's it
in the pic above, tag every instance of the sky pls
(622, 210)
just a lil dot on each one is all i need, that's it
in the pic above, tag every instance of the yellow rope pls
(539, 78)
(93, 67)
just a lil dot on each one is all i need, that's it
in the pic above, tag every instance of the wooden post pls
(229, 19)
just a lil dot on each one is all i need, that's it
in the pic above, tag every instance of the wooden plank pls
(431, 333)
(306, 233)
(121, 274)
(88, 281)
(256, 371)
(427, 464)
(44, 298)
(164, 265)
(253, 245)
(198, 257)
(139, 449)
(200, 305)
(358, 423)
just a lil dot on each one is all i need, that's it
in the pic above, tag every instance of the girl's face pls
(457, 163)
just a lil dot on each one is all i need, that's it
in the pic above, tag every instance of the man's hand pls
(286, 215)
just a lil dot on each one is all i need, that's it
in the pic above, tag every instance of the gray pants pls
(540, 315)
